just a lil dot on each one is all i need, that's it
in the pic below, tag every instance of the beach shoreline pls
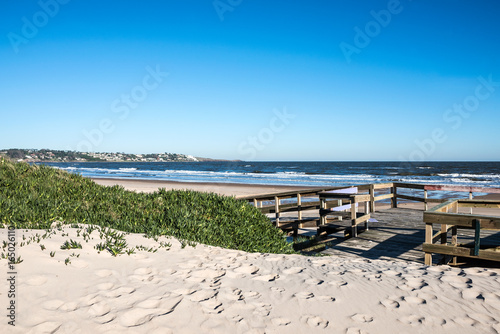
(227, 189)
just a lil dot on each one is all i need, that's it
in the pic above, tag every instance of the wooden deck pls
(398, 235)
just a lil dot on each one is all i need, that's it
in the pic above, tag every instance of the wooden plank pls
(409, 185)
(479, 204)
(464, 220)
(383, 185)
(442, 206)
(411, 198)
(382, 197)
(463, 189)
(372, 198)
(426, 206)
(394, 191)
(360, 198)
(361, 219)
(354, 228)
(477, 235)
(461, 251)
(277, 210)
(299, 206)
(428, 239)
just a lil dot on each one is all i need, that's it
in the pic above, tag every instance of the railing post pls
(428, 240)
(354, 228)
(425, 200)
(476, 223)
(299, 206)
(372, 198)
(277, 210)
(470, 197)
(394, 191)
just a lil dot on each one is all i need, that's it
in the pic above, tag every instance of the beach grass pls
(34, 197)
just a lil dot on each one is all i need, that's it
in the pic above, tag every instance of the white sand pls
(211, 290)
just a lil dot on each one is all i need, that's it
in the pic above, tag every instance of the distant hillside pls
(67, 156)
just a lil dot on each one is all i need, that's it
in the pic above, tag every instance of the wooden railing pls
(446, 215)
(308, 200)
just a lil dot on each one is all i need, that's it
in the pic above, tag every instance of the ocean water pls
(322, 174)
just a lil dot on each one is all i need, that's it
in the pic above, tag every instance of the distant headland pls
(47, 155)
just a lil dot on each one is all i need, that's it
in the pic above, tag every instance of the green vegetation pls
(37, 196)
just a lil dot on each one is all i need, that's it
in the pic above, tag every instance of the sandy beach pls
(164, 286)
(227, 189)
(206, 289)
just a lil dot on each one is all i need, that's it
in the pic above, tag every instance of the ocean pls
(321, 174)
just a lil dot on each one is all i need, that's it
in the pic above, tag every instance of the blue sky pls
(254, 80)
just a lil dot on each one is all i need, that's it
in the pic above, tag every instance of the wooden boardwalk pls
(398, 235)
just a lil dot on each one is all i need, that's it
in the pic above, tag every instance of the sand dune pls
(207, 289)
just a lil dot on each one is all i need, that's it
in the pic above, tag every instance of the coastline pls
(227, 189)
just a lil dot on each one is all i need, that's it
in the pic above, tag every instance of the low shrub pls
(34, 196)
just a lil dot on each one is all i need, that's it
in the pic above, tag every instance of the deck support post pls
(277, 210)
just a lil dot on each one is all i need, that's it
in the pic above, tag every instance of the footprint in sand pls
(280, 321)
(105, 286)
(36, 280)
(202, 295)
(412, 284)
(46, 327)
(483, 318)
(304, 295)
(184, 291)
(412, 320)
(266, 278)
(359, 317)
(212, 306)
(247, 269)
(231, 294)
(415, 300)
(105, 273)
(313, 281)
(139, 316)
(99, 309)
(326, 299)
(472, 294)
(149, 303)
(262, 309)
(314, 321)
(293, 270)
(389, 303)
(105, 318)
(251, 295)
(338, 284)
(124, 290)
(52, 305)
(69, 307)
(277, 289)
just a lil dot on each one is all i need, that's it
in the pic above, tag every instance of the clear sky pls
(253, 80)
